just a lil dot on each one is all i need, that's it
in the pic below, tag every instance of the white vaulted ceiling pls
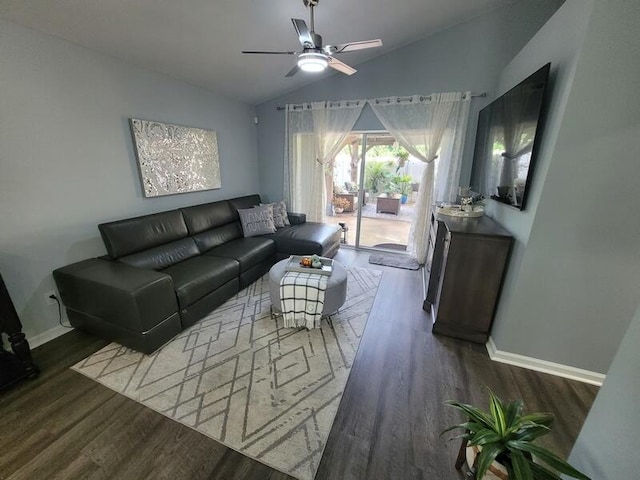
(199, 41)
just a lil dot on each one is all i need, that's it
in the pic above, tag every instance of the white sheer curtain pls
(450, 157)
(419, 125)
(315, 134)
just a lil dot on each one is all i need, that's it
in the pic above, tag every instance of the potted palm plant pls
(505, 436)
(376, 177)
(403, 186)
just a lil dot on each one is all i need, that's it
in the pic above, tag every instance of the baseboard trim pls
(47, 336)
(543, 366)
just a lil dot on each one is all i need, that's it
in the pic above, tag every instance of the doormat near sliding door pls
(239, 377)
(394, 260)
(391, 246)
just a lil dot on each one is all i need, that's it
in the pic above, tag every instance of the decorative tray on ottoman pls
(294, 265)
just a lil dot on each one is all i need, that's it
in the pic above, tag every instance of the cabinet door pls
(433, 266)
(470, 286)
(446, 242)
(430, 248)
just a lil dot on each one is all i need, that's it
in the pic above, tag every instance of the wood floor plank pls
(63, 425)
(47, 423)
(80, 467)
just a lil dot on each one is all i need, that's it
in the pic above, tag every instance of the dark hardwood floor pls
(63, 425)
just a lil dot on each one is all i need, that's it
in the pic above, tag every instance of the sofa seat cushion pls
(199, 276)
(247, 251)
(306, 239)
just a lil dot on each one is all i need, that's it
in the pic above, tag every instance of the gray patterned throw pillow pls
(283, 211)
(257, 220)
(278, 220)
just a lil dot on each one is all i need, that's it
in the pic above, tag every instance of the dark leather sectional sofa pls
(165, 271)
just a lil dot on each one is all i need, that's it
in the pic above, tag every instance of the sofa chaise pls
(165, 271)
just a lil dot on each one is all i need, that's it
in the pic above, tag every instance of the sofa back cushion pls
(132, 235)
(217, 236)
(212, 224)
(243, 202)
(163, 256)
(207, 216)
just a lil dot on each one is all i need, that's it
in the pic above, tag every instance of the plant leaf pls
(545, 419)
(473, 413)
(547, 457)
(471, 426)
(521, 467)
(486, 457)
(483, 437)
(465, 435)
(531, 432)
(497, 411)
(541, 473)
(514, 413)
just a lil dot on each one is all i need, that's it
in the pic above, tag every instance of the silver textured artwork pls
(175, 159)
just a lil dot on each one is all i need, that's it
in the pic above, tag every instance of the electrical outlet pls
(47, 298)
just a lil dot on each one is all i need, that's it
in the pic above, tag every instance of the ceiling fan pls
(314, 57)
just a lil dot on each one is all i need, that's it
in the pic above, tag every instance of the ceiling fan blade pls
(341, 67)
(293, 71)
(352, 46)
(304, 35)
(257, 52)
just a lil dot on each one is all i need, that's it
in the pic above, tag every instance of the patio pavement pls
(377, 228)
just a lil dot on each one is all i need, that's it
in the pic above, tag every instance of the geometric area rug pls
(238, 376)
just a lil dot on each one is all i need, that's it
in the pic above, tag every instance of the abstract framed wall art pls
(175, 159)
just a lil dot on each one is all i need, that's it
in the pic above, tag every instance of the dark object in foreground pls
(15, 365)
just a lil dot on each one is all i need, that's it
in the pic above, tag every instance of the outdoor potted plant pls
(504, 437)
(403, 186)
(376, 177)
(339, 204)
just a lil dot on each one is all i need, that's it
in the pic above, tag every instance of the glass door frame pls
(361, 189)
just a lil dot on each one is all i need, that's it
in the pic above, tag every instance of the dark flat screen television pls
(507, 141)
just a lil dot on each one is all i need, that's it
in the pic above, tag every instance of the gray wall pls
(469, 56)
(577, 286)
(66, 161)
(559, 41)
(607, 445)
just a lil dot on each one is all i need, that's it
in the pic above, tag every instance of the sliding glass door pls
(375, 183)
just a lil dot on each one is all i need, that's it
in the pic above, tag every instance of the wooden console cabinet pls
(466, 262)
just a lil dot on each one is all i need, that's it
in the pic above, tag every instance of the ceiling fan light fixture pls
(312, 61)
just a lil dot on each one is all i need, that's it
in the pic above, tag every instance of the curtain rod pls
(427, 97)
